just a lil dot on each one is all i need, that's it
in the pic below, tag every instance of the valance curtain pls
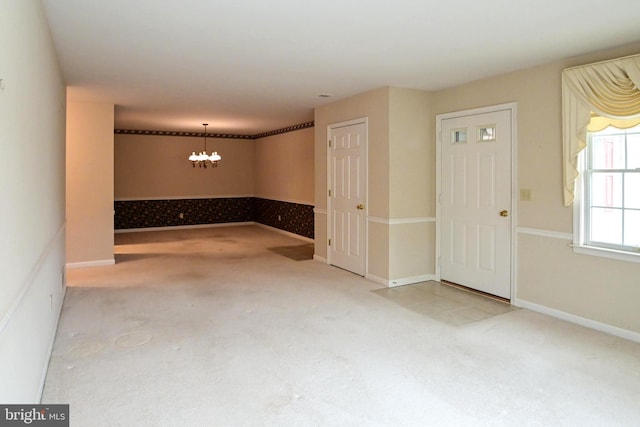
(606, 92)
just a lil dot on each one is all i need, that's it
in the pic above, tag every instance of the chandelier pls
(203, 159)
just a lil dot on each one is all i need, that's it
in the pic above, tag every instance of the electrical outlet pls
(279, 218)
(181, 215)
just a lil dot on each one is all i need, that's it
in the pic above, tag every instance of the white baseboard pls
(582, 321)
(402, 281)
(277, 230)
(321, 259)
(224, 224)
(98, 263)
(183, 227)
(377, 279)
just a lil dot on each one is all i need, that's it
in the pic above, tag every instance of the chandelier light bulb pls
(202, 158)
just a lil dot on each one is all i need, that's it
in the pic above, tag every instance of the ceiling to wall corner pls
(249, 67)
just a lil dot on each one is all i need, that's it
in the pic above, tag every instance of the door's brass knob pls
(360, 207)
(504, 213)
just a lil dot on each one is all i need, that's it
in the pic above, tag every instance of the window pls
(608, 212)
(601, 112)
(607, 90)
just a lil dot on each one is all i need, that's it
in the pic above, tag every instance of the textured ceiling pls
(247, 67)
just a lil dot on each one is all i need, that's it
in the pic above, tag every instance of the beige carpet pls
(215, 327)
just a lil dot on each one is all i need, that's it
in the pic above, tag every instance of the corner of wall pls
(90, 183)
(33, 263)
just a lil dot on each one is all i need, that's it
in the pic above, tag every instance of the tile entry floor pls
(445, 303)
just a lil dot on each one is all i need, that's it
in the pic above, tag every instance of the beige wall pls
(411, 177)
(375, 106)
(156, 167)
(411, 186)
(284, 167)
(32, 146)
(402, 185)
(89, 183)
(537, 93)
(400, 182)
(411, 252)
(549, 273)
(378, 250)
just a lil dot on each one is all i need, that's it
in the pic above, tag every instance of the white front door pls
(475, 201)
(347, 196)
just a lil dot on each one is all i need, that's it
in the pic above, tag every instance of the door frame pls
(330, 127)
(512, 107)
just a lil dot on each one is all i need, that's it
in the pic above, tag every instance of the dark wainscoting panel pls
(292, 217)
(166, 213)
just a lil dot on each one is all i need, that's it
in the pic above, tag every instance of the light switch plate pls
(525, 194)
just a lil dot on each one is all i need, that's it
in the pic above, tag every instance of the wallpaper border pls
(213, 135)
